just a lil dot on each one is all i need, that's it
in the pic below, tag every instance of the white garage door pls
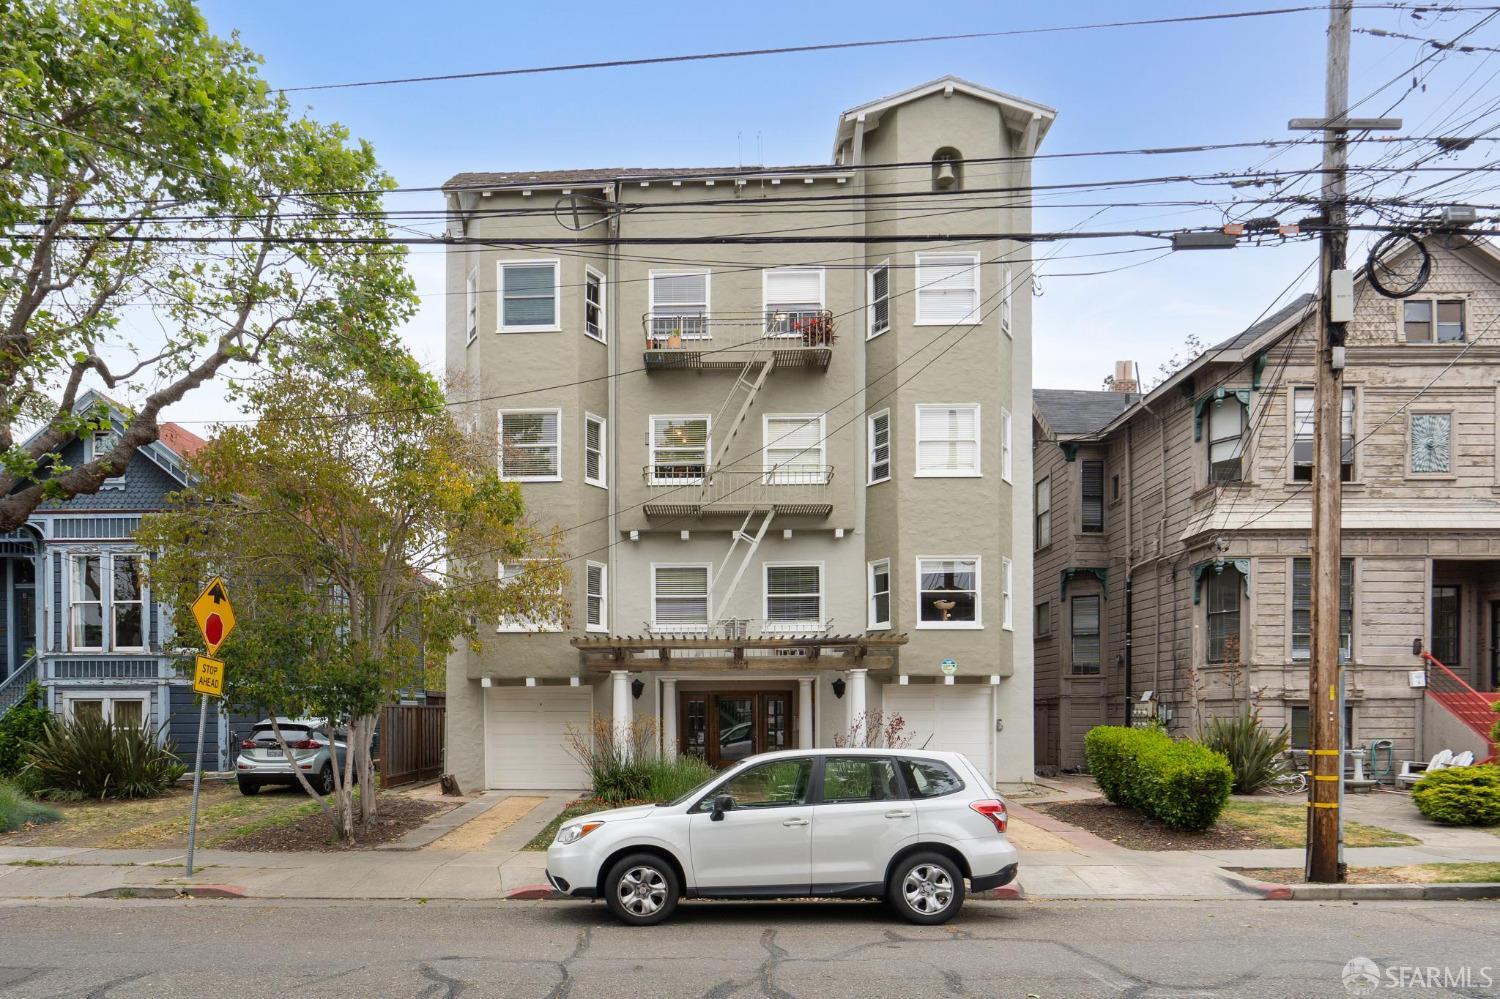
(957, 718)
(525, 736)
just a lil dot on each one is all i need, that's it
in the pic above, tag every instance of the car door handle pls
(898, 813)
(795, 822)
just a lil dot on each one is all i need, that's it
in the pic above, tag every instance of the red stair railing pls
(1461, 700)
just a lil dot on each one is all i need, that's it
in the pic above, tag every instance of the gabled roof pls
(1066, 412)
(1018, 110)
(181, 439)
(170, 459)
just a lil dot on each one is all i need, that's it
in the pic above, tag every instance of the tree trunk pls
(368, 798)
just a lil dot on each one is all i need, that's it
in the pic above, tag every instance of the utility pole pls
(1336, 299)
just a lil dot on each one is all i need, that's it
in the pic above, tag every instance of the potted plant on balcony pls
(816, 330)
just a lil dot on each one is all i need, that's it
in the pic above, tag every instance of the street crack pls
(564, 986)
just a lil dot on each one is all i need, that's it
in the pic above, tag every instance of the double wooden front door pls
(725, 726)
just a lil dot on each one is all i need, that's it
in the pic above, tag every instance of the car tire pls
(641, 889)
(926, 888)
(325, 780)
(249, 789)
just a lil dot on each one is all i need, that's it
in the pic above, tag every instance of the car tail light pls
(304, 744)
(992, 809)
(248, 744)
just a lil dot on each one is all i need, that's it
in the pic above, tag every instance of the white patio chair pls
(1464, 759)
(1412, 770)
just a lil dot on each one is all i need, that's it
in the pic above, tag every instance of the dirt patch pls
(1135, 831)
(398, 815)
(1415, 874)
(477, 833)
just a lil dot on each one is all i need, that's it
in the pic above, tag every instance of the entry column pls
(620, 707)
(669, 718)
(857, 704)
(804, 713)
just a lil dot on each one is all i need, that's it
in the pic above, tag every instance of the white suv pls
(904, 825)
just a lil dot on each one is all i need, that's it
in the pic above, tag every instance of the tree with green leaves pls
(356, 525)
(150, 180)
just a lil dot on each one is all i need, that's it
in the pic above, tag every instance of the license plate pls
(273, 752)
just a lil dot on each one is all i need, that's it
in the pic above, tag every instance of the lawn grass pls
(1285, 825)
(582, 806)
(1430, 874)
(17, 809)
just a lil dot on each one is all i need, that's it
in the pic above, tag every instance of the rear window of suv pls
(929, 778)
(266, 737)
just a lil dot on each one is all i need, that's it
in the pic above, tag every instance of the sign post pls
(215, 617)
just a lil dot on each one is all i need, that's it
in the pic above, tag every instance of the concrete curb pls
(1005, 893)
(213, 891)
(532, 893)
(1363, 893)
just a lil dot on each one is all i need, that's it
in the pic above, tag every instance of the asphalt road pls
(223, 949)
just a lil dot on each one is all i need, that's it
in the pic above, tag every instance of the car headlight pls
(576, 832)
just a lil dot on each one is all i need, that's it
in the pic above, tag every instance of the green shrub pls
(635, 771)
(1460, 796)
(1251, 749)
(668, 780)
(17, 809)
(1182, 784)
(89, 757)
(23, 723)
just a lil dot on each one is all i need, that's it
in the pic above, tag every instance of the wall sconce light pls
(637, 688)
(838, 687)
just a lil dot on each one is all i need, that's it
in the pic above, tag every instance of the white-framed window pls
(1303, 418)
(793, 300)
(679, 598)
(595, 464)
(679, 305)
(471, 306)
(128, 599)
(593, 304)
(880, 300)
(947, 441)
(86, 603)
(1006, 458)
(1007, 615)
(511, 575)
(1432, 320)
(1007, 289)
(680, 449)
(1042, 535)
(1083, 629)
(531, 445)
(948, 592)
(947, 289)
(1302, 609)
(1226, 439)
(879, 443)
(101, 443)
(794, 596)
(879, 616)
(528, 296)
(1430, 443)
(124, 707)
(795, 449)
(596, 595)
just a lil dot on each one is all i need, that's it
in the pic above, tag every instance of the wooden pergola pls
(778, 654)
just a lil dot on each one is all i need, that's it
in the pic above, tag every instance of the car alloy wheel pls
(325, 779)
(642, 891)
(928, 889)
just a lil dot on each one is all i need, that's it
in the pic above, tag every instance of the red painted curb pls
(531, 892)
(1010, 893)
(1271, 891)
(213, 891)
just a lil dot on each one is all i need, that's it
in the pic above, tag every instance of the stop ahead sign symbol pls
(213, 629)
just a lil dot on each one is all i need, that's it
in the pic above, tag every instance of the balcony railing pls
(689, 490)
(791, 337)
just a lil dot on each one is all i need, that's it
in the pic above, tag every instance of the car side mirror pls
(722, 803)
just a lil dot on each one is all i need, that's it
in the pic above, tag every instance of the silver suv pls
(262, 762)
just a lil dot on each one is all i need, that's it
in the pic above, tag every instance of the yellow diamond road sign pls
(214, 614)
(208, 678)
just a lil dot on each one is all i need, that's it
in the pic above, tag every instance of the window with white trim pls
(100, 443)
(595, 467)
(679, 449)
(880, 301)
(947, 289)
(86, 605)
(1006, 429)
(528, 296)
(531, 445)
(1431, 320)
(1226, 438)
(880, 594)
(128, 599)
(948, 593)
(879, 442)
(1007, 278)
(471, 306)
(679, 598)
(1303, 415)
(596, 596)
(1084, 656)
(123, 707)
(793, 302)
(1007, 573)
(1042, 535)
(794, 597)
(947, 441)
(514, 574)
(679, 305)
(795, 450)
(1302, 609)
(593, 304)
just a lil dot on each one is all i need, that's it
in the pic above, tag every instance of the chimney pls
(1124, 380)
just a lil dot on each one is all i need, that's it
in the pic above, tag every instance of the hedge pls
(1460, 796)
(1182, 784)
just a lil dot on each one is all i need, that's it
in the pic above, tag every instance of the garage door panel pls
(955, 719)
(526, 736)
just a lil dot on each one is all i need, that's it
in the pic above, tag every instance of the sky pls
(1128, 87)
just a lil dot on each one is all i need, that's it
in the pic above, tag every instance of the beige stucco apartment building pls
(793, 477)
(1171, 530)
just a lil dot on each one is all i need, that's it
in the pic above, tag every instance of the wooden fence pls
(411, 743)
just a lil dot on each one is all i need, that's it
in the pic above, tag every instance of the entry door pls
(726, 726)
(1494, 645)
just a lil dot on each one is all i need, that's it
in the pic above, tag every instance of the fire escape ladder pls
(746, 386)
(718, 598)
